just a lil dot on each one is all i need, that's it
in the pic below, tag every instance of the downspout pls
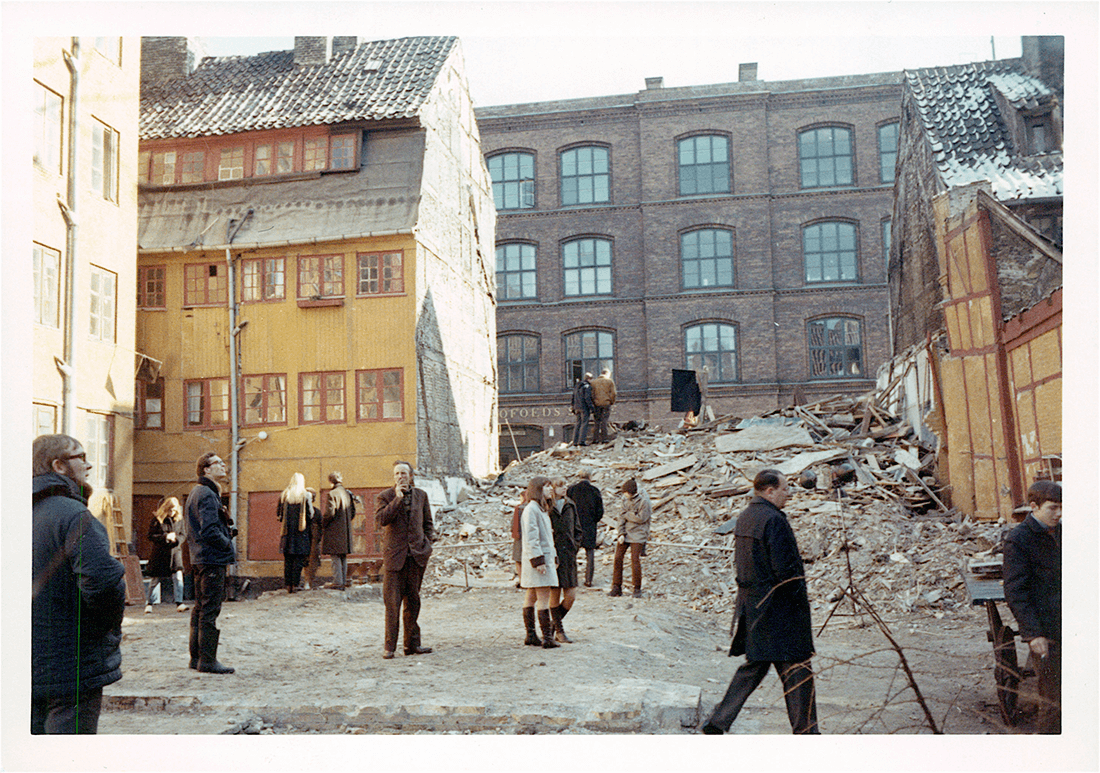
(68, 211)
(235, 442)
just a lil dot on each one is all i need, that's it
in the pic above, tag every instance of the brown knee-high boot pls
(558, 614)
(547, 630)
(529, 624)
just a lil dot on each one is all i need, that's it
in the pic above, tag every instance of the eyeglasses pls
(82, 456)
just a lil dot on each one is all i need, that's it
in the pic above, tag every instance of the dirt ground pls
(313, 656)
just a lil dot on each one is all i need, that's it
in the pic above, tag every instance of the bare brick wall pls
(765, 211)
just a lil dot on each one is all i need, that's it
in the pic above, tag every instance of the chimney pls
(1045, 58)
(655, 83)
(310, 51)
(342, 45)
(167, 58)
(746, 71)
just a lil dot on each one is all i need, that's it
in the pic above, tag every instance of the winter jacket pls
(633, 521)
(538, 549)
(337, 539)
(167, 557)
(1033, 579)
(208, 537)
(582, 398)
(589, 504)
(294, 541)
(78, 593)
(603, 391)
(407, 528)
(771, 617)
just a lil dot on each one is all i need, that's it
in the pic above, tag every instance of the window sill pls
(312, 303)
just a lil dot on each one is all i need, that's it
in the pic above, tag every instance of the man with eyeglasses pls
(78, 594)
(210, 540)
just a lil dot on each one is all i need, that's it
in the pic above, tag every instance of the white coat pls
(538, 540)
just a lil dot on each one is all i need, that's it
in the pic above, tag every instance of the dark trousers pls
(798, 690)
(1048, 671)
(292, 569)
(73, 714)
(636, 549)
(601, 416)
(209, 594)
(589, 565)
(580, 429)
(403, 588)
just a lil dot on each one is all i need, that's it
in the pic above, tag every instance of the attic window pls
(1039, 134)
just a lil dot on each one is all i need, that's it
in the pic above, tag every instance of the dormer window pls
(1039, 130)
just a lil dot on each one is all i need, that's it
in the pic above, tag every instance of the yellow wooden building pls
(314, 275)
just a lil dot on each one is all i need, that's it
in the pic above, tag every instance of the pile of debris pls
(868, 500)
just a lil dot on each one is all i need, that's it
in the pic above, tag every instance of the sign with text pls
(542, 412)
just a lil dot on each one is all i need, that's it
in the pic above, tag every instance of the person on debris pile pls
(295, 511)
(1033, 590)
(210, 543)
(517, 536)
(589, 503)
(336, 522)
(582, 408)
(539, 573)
(167, 533)
(771, 617)
(78, 594)
(603, 397)
(633, 530)
(405, 518)
(567, 538)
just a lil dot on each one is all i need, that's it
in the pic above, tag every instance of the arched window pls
(588, 351)
(829, 252)
(712, 345)
(587, 267)
(516, 272)
(836, 347)
(704, 163)
(706, 258)
(825, 157)
(513, 176)
(585, 176)
(887, 151)
(518, 363)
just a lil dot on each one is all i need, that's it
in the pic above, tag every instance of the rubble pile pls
(867, 499)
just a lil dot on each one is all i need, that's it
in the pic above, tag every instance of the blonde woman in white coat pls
(538, 572)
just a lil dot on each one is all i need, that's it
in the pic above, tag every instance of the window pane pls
(829, 251)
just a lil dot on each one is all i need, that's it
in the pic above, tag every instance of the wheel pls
(1007, 670)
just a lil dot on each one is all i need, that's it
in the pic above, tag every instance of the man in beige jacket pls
(603, 396)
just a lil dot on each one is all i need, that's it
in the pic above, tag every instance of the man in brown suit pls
(403, 513)
(603, 397)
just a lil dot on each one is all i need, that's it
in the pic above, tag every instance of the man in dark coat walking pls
(771, 618)
(403, 514)
(582, 408)
(210, 541)
(1033, 590)
(589, 503)
(78, 594)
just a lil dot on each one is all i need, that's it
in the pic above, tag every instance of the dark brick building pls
(741, 226)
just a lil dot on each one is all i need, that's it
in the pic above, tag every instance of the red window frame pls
(150, 287)
(373, 381)
(372, 271)
(144, 418)
(263, 270)
(329, 398)
(190, 163)
(199, 290)
(208, 416)
(330, 276)
(268, 386)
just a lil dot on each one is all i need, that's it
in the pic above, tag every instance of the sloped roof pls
(969, 138)
(224, 95)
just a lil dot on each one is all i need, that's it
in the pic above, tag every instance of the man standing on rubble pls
(771, 618)
(405, 517)
(582, 409)
(603, 397)
(1033, 590)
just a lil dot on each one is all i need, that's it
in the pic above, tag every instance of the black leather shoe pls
(193, 664)
(419, 651)
(709, 729)
(215, 668)
(387, 655)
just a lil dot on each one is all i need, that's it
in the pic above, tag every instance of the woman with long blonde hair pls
(167, 533)
(538, 573)
(296, 513)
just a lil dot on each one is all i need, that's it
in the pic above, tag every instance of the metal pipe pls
(234, 374)
(68, 211)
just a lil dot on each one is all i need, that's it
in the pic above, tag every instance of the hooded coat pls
(78, 596)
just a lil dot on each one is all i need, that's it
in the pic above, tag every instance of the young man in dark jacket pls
(210, 540)
(582, 409)
(1033, 590)
(771, 617)
(78, 595)
(589, 502)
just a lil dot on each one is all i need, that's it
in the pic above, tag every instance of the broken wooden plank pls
(671, 467)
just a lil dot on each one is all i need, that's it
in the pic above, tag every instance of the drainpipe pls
(235, 442)
(68, 211)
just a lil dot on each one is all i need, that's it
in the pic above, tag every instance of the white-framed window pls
(47, 269)
(104, 161)
(48, 131)
(97, 447)
(45, 419)
(103, 287)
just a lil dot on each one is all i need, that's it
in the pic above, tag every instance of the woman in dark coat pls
(166, 532)
(336, 540)
(567, 538)
(295, 511)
